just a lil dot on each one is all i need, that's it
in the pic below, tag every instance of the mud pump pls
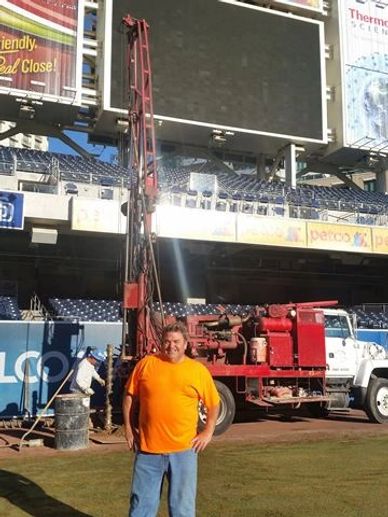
(272, 356)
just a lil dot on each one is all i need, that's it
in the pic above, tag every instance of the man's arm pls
(130, 414)
(97, 378)
(202, 439)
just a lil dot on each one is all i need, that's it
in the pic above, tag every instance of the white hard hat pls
(98, 355)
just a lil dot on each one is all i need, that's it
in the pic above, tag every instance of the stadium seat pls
(86, 309)
(222, 201)
(235, 202)
(106, 193)
(71, 188)
(191, 199)
(9, 309)
(206, 200)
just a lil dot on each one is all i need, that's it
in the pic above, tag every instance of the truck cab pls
(357, 371)
(342, 347)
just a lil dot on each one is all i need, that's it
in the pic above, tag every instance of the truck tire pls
(226, 413)
(376, 406)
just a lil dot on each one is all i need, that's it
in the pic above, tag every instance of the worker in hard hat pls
(86, 372)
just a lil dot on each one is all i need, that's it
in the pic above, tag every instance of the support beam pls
(71, 143)
(34, 128)
(290, 165)
(381, 170)
(328, 168)
(10, 132)
(260, 167)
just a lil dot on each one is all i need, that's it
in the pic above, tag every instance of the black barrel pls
(72, 421)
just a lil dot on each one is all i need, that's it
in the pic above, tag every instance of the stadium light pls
(26, 111)
(220, 137)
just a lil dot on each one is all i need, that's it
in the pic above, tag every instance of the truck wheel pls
(376, 406)
(317, 410)
(226, 413)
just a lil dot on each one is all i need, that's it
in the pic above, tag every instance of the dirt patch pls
(250, 428)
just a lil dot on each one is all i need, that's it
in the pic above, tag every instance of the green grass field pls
(324, 478)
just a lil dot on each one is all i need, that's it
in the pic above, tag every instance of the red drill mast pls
(139, 334)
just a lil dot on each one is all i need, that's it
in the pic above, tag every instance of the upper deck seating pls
(86, 309)
(9, 309)
(370, 319)
(70, 167)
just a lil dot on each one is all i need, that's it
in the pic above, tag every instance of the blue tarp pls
(377, 336)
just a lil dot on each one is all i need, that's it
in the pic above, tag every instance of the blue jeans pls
(149, 470)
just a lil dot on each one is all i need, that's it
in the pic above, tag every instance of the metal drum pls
(72, 421)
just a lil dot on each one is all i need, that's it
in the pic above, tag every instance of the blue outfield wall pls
(36, 356)
(374, 335)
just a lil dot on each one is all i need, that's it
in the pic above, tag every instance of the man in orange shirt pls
(160, 410)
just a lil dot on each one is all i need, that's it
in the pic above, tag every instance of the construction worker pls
(87, 371)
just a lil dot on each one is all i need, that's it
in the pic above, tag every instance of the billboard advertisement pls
(364, 48)
(265, 79)
(40, 48)
(311, 5)
(210, 225)
(270, 231)
(96, 215)
(380, 240)
(11, 210)
(339, 237)
(190, 223)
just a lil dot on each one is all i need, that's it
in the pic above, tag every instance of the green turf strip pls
(345, 478)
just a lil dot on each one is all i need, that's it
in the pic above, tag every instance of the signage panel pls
(380, 240)
(191, 223)
(12, 210)
(254, 229)
(364, 49)
(32, 366)
(339, 237)
(40, 48)
(93, 215)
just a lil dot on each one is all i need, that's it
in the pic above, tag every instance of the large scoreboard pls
(249, 71)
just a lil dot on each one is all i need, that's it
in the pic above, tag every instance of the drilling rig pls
(271, 356)
(140, 331)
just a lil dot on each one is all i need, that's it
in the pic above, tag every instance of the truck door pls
(341, 349)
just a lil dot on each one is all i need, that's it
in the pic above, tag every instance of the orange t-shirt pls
(168, 395)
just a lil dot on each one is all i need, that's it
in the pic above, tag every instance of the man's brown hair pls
(177, 326)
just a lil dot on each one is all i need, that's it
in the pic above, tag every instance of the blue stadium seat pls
(9, 309)
(86, 309)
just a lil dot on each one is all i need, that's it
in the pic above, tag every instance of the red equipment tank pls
(275, 325)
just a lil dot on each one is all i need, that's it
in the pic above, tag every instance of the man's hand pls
(132, 438)
(102, 382)
(131, 430)
(201, 440)
(89, 391)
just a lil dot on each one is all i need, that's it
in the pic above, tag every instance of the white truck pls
(357, 371)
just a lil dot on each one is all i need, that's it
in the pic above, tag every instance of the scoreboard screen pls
(227, 64)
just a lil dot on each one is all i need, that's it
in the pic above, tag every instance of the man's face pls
(174, 346)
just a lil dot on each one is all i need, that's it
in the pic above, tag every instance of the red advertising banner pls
(38, 46)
